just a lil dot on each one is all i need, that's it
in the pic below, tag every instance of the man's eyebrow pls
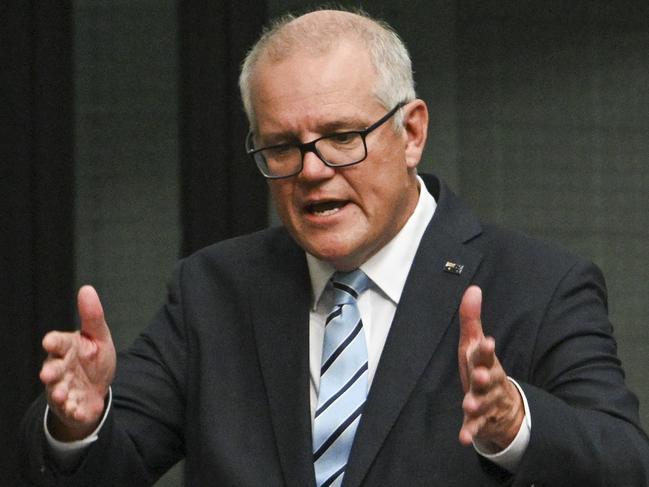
(348, 123)
(275, 137)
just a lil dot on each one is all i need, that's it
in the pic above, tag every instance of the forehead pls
(306, 86)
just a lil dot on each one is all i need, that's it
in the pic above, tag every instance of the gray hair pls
(388, 54)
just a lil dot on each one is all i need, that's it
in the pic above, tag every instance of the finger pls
(483, 354)
(470, 323)
(470, 429)
(58, 343)
(471, 405)
(477, 404)
(91, 313)
(52, 371)
(481, 381)
(59, 394)
(465, 436)
(470, 331)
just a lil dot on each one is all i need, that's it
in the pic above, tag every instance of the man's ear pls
(415, 127)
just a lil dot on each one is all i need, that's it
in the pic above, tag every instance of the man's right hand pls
(78, 371)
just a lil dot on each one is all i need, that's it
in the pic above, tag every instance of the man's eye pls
(280, 151)
(344, 138)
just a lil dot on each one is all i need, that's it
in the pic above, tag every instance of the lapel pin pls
(453, 268)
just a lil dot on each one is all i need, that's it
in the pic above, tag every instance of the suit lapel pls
(280, 315)
(429, 302)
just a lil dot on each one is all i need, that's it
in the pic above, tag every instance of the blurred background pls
(122, 149)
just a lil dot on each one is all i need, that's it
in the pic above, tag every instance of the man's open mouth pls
(325, 208)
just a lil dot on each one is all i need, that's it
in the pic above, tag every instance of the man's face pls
(340, 215)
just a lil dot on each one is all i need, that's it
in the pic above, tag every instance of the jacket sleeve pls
(142, 436)
(585, 424)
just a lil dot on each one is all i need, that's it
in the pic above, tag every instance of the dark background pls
(122, 149)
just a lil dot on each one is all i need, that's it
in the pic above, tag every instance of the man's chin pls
(342, 258)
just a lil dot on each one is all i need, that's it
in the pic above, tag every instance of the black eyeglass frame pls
(311, 146)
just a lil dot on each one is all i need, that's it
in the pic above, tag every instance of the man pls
(263, 369)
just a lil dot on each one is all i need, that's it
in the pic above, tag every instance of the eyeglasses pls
(335, 150)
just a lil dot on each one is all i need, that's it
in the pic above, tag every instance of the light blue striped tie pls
(343, 380)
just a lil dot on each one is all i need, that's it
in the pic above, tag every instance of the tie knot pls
(349, 285)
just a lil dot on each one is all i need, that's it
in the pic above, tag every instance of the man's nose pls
(314, 168)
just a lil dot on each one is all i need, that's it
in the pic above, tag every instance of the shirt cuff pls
(510, 457)
(67, 454)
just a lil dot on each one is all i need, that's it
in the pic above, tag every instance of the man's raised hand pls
(79, 368)
(493, 408)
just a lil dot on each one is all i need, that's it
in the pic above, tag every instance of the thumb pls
(91, 313)
(470, 322)
(470, 330)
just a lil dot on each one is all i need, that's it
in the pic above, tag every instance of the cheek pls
(281, 195)
(382, 197)
(283, 200)
(386, 204)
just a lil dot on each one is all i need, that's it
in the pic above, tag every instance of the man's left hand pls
(493, 407)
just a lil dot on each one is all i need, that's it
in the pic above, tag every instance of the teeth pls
(326, 208)
(326, 212)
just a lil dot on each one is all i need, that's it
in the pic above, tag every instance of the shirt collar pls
(389, 267)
